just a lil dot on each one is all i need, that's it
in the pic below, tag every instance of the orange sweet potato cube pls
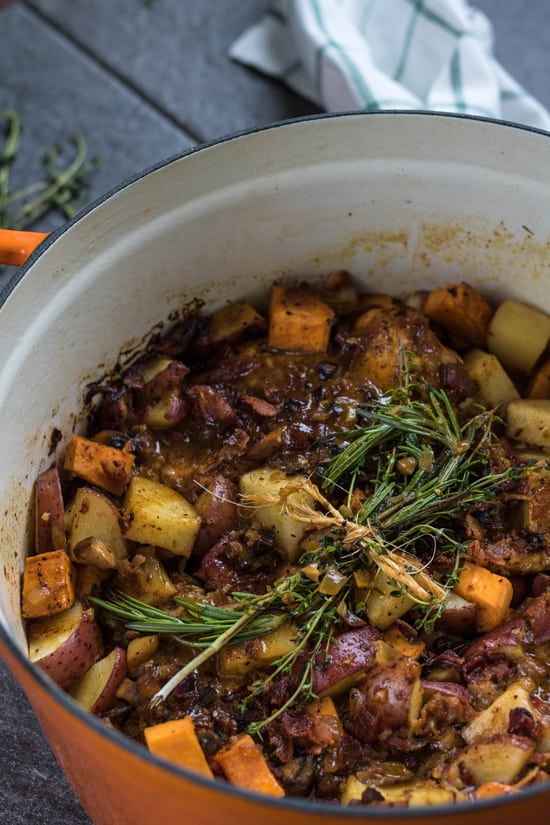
(299, 320)
(48, 584)
(245, 766)
(492, 594)
(106, 467)
(177, 741)
(462, 311)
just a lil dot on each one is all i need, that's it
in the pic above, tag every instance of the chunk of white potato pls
(501, 759)
(160, 516)
(412, 794)
(533, 512)
(528, 421)
(496, 718)
(95, 515)
(518, 335)
(149, 582)
(243, 658)
(270, 483)
(494, 387)
(384, 603)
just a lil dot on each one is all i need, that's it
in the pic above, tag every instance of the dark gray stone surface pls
(60, 91)
(143, 82)
(32, 787)
(175, 55)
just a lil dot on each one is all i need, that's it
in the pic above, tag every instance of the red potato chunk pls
(49, 512)
(388, 700)
(348, 657)
(96, 690)
(217, 507)
(66, 645)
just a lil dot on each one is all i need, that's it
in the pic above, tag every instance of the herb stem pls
(213, 648)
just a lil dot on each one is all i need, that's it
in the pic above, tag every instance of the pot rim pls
(131, 746)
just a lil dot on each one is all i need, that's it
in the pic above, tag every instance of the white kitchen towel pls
(370, 55)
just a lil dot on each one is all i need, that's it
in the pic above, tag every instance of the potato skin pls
(219, 514)
(348, 657)
(65, 654)
(96, 690)
(380, 705)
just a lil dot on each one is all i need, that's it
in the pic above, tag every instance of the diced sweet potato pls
(48, 584)
(245, 766)
(488, 790)
(177, 741)
(106, 467)
(299, 320)
(462, 311)
(492, 594)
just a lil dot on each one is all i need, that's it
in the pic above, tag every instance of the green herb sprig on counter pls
(63, 187)
(418, 468)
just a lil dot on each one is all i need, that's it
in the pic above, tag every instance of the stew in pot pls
(307, 551)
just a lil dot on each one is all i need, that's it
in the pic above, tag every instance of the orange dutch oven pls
(402, 200)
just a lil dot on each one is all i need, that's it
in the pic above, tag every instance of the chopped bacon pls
(538, 618)
(219, 516)
(210, 406)
(261, 406)
(492, 655)
(513, 553)
(238, 562)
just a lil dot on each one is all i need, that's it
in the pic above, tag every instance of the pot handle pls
(16, 246)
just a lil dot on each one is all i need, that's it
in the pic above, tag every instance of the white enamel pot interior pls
(402, 200)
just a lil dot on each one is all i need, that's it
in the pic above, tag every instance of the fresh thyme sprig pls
(63, 187)
(421, 467)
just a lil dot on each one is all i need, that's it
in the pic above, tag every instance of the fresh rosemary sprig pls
(62, 188)
(421, 467)
(202, 624)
